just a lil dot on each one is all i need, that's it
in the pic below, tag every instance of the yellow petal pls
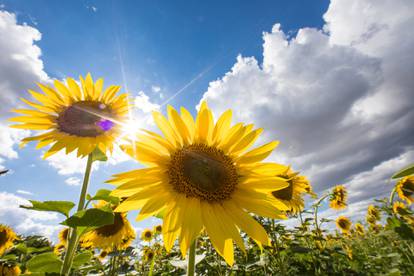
(221, 127)
(153, 205)
(258, 154)
(189, 122)
(203, 126)
(74, 89)
(246, 223)
(219, 237)
(191, 224)
(266, 184)
(247, 141)
(166, 128)
(178, 125)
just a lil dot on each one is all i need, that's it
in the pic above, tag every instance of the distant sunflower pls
(63, 235)
(405, 189)
(74, 117)
(344, 224)
(9, 270)
(338, 198)
(359, 228)
(103, 255)
(292, 196)
(399, 208)
(373, 214)
(7, 237)
(59, 249)
(200, 177)
(149, 254)
(147, 235)
(118, 235)
(157, 229)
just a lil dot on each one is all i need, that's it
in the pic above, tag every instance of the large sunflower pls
(74, 117)
(7, 237)
(338, 198)
(118, 235)
(200, 176)
(405, 189)
(292, 196)
(344, 224)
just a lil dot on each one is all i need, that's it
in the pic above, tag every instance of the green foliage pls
(62, 207)
(409, 170)
(94, 217)
(104, 195)
(46, 262)
(98, 155)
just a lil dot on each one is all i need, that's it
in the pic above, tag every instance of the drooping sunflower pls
(74, 117)
(373, 214)
(338, 198)
(292, 196)
(147, 235)
(9, 270)
(399, 208)
(200, 176)
(63, 237)
(359, 228)
(118, 235)
(344, 224)
(7, 237)
(405, 189)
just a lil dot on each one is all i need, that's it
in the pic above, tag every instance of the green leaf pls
(62, 207)
(46, 262)
(98, 155)
(82, 258)
(404, 172)
(104, 194)
(94, 217)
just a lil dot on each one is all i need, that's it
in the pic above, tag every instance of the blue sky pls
(165, 47)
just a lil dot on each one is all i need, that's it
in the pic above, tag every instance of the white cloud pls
(155, 88)
(67, 164)
(73, 181)
(25, 221)
(339, 100)
(143, 103)
(24, 192)
(20, 63)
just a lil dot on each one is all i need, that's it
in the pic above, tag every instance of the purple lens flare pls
(105, 125)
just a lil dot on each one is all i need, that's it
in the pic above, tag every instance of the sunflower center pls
(408, 188)
(202, 171)
(111, 229)
(285, 193)
(3, 237)
(148, 234)
(86, 119)
(343, 224)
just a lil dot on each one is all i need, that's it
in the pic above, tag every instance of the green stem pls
(191, 259)
(73, 235)
(315, 213)
(392, 195)
(152, 267)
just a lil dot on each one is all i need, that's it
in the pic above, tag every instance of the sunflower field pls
(222, 205)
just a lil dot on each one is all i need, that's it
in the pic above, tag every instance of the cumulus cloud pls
(20, 63)
(73, 181)
(338, 99)
(155, 88)
(25, 221)
(67, 164)
(8, 140)
(24, 192)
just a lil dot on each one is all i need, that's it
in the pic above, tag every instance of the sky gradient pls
(329, 79)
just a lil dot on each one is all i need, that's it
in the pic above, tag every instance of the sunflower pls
(405, 189)
(59, 248)
(359, 228)
(344, 224)
(157, 229)
(199, 176)
(63, 235)
(292, 196)
(7, 237)
(399, 208)
(9, 270)
(373, 214)
(74, 117)
(102, 255)
(147, 235)
(118, 235)
(148, 254)
(338, 198)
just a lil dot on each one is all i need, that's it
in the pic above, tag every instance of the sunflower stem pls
(392, 195)
(191, 259)
(73, 234)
